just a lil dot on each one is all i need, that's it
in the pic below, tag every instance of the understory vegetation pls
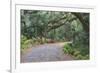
(78, 53)
(79, 48)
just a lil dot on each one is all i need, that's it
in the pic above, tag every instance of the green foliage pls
(46, 24)
(27, 43)
(67, 49)
(76, 53)
(39, 27)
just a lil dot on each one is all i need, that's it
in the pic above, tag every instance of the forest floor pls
(46, 53)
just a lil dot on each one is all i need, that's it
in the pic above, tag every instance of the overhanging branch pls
(61, 24)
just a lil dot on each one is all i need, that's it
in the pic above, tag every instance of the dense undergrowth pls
(78, 53)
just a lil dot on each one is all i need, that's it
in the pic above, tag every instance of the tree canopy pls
(40, 23)
(58, 26)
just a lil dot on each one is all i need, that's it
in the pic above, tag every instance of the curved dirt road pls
(45, 53)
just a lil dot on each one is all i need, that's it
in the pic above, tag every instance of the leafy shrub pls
(86, 57)
(28, 43)
(23, 39)
(79, 56)
(67, 49)
(76, 53)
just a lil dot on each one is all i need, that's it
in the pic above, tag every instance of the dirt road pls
(45, 53)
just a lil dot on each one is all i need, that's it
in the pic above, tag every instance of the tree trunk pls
(84, 24)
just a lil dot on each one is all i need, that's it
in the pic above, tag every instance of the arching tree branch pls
(61, 24)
